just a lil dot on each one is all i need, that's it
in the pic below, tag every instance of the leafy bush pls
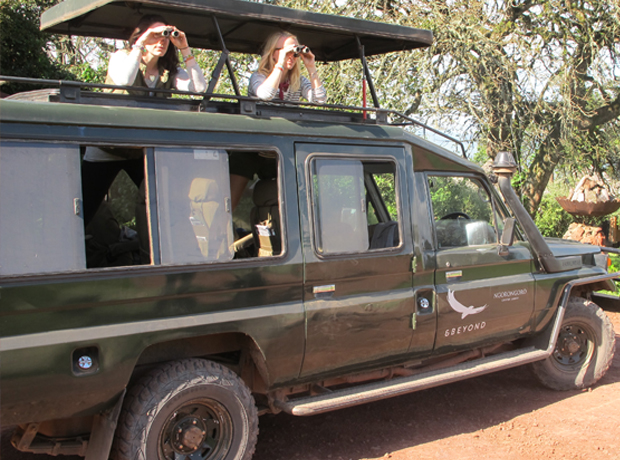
(24, 46)
(551, 219)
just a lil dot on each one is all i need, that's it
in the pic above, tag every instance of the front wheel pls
(584, 348)
(189, 409)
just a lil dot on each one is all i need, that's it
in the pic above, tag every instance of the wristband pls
(188, 57)
(278, 66)
(140, 47)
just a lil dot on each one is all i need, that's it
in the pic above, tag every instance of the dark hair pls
(170, 60)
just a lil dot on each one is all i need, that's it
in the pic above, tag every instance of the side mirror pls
(508, 236)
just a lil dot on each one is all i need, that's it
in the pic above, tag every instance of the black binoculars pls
(300, 49)
(170, 31)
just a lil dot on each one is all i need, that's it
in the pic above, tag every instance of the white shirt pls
(264, 92)
(124, 67)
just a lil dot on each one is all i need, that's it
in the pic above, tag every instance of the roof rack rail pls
(70, 92)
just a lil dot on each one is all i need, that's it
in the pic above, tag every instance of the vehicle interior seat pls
(207, 218)
(265, 218)
(384, 235)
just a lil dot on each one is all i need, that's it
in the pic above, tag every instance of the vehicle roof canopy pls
(244, 25)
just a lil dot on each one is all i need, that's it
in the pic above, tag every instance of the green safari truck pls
(362, 262)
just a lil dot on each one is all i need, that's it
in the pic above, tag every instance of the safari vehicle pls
(374, 262)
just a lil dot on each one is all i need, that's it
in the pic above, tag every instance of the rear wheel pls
(584, 349)
(187, 410)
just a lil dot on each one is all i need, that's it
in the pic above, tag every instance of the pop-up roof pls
(244, 25)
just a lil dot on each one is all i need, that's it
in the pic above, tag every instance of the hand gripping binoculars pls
(170, 32)
(300, 49)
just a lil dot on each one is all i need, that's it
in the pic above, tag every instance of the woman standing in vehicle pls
(279, 72)
(152, 60)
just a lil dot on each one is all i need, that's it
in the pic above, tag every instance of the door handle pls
(326, 290)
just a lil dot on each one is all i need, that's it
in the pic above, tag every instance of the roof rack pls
(244, 25)
(71, 92)
(239, 26)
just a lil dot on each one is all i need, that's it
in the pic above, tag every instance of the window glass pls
(339, 206)
(39, 190)
(193, 195)
(115, 216)
(462, 212)
(355, 206)
(256, 204)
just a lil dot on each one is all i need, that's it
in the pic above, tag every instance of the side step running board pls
(544, 346)
(376, 391)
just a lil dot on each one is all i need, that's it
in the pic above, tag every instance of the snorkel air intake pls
(504, 167)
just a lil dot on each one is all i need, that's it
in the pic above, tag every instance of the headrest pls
(203, 190)
(266, 193)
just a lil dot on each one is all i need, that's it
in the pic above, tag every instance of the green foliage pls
(24, 47)
(386, 185)
(536, 78)
(451, 194)
(551, 219)
(613, 268)
(122, 198)
(615, 263)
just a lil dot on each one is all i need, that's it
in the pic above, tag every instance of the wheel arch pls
(586, 290)
(235, 350)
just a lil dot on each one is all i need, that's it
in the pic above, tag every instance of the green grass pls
(615, 267)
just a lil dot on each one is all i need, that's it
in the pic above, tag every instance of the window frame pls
(363, 159)
(485, 186)
(156, 266)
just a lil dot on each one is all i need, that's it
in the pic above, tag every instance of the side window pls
(106, 212)
(39, 208)
(115, 215)
(463, 212)
(255, 198)
(207, 205)
(193, 205)
(354, 205)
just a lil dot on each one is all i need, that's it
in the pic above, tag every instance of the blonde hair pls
(267, 64)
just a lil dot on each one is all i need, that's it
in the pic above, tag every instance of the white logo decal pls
(508, 296)
(462, 309)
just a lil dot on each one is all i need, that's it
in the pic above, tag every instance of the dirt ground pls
(506, 415)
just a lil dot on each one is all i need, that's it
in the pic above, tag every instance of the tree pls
(538, 78)
(24, 46)
(534, 77)
(29, 52)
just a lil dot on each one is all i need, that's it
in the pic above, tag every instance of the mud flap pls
(103, 430)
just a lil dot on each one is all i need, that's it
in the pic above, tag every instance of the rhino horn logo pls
(462, 309)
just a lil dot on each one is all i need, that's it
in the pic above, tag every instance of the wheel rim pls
(574, 347)
(198, 430)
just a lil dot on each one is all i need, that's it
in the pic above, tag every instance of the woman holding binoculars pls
(279, 72)
(152, 59)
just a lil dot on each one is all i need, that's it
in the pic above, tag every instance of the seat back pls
(265, 218)
(384, 235)
(207, 218)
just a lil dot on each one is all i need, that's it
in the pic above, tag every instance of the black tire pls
(189, 409)
(584, 349)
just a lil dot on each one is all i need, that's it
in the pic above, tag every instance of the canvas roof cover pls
(244, 25)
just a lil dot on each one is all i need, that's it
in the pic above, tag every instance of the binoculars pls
(170, 32)
(300, 49)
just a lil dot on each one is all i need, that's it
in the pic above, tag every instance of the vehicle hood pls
(564, 248)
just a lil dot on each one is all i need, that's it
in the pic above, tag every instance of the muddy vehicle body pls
(367, 263)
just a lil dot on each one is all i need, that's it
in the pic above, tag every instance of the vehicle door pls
(484, 294)
(358, 255)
